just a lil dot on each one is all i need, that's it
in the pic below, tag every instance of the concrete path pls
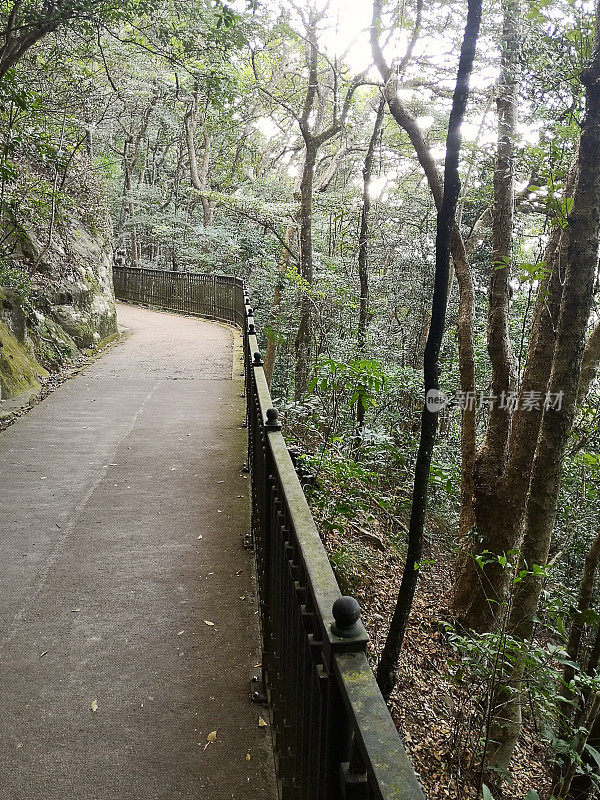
(122, 514)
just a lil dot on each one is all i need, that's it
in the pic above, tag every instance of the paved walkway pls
(122, 514)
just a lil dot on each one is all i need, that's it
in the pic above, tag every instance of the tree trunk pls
(577, 626)
(591, 728)
(459, 256)
(363, 237)
(271, 348)
(19, 38)
(445, 224)
(589, 365)
(314, 136)
(499, 505)
(557, 419)
(488, 465)
(303, 337)
(584, 222)
(363, 264)
(466, 368)
(198, 177)
(131, 155)
(492, 457)
(133, 240)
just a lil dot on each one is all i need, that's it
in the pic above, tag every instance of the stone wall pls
(69, 303)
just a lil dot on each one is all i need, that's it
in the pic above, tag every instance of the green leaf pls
(594, 754)
(587, 617)
(487, 795)
(532, 795)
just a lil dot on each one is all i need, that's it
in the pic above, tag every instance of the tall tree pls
(490, 461)
(392, 76)
(363, 252)
(557, 419)
(429, 416)
(315, 133)
(522, 482)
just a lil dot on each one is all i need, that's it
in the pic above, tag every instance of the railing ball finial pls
(258, 362)
(273, 422)
(346, 613)
(250, 312)
(251, 329)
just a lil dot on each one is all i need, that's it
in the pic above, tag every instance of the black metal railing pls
(333, 736)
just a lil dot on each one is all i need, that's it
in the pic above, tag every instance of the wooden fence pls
(212, 296)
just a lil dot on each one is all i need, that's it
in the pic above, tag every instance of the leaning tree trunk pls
(557, 419)
(466, 309)
(499, 506)
(429, 418)
(20, 36)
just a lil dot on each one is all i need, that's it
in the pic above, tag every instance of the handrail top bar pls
(324, 586)
(181, 273)
(377, 736)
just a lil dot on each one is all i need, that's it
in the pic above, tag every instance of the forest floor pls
(438, 717)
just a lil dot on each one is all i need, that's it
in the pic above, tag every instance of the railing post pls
(347, 634)
(352, 776)
(272, 423)
(346, 613)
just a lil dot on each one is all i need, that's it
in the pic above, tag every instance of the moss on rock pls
(20, 372)
(52, 344)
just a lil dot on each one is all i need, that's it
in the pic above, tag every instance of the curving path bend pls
(122, 514)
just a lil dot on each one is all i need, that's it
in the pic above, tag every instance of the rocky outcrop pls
(20, 371)
(59, 299)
